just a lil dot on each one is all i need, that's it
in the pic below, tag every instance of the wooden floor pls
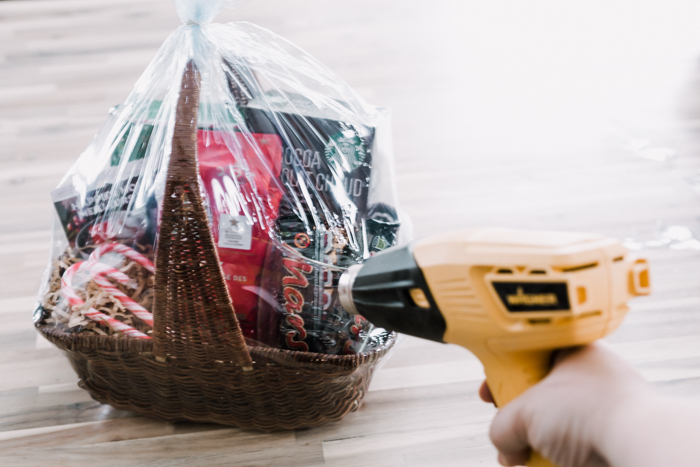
(520, 114)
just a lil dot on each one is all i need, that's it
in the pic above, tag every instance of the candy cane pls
(115, 324)
(98, 271)
(75, 300)
(101, 268)
(98, 275)
(123, 250)
(66, 284)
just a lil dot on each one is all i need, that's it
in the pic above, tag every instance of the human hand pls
(568, 416)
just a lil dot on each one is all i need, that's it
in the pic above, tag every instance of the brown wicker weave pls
(197, 367)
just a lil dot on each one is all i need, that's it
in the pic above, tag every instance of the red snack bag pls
(239, 174)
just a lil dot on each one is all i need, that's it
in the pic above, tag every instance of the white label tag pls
(235, 232)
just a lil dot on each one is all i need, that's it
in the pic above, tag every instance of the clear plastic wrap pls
(295, 174)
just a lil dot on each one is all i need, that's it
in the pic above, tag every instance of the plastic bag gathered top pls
(294, 174)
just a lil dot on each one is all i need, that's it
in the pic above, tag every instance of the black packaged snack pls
(324, 225)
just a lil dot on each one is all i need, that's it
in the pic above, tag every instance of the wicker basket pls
(197, 366)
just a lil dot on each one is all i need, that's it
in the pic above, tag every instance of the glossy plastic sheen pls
(294, 174)
(515, 347)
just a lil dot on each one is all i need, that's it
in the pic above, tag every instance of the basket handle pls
(193, 314)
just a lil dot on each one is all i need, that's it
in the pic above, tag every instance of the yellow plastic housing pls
(597, 273)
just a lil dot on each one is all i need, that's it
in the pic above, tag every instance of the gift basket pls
(199, 239)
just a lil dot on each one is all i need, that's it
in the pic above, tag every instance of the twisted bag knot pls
(202, 12)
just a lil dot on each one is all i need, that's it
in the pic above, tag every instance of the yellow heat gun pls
(511, 297)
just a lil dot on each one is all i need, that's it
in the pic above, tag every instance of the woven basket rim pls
(80, 342)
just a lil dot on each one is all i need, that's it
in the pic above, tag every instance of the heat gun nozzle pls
(345, 283)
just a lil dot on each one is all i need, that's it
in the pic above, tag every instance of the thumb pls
(509, 434)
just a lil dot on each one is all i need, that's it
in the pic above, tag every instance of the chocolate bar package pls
(295, 177)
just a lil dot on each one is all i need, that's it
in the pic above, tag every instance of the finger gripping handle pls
(509, 375)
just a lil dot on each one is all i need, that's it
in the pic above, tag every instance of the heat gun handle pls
(536, 460)
(510, 374)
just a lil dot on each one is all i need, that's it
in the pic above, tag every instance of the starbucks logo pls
(345, 151)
